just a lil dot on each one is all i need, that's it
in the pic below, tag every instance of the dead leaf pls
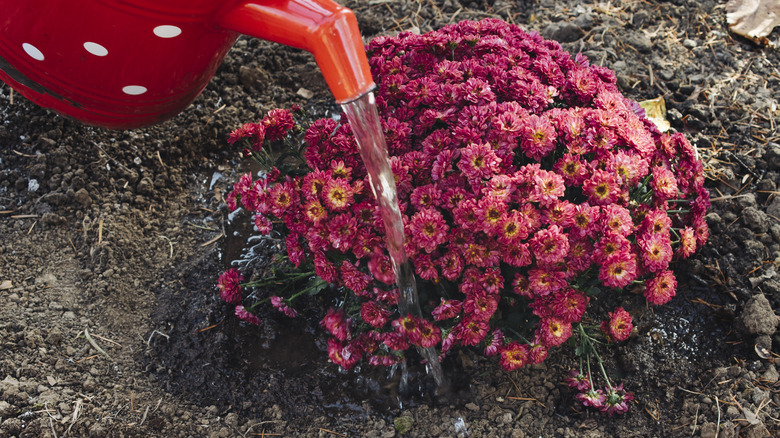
(655, 109)
(750, 416)
(304, 93)
(5, 284)
(753, 19)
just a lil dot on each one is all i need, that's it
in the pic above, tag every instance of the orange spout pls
(322, 27)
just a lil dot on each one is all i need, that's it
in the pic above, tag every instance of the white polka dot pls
(167, 31)
(33, 51)
(95, 49)
(134, 90)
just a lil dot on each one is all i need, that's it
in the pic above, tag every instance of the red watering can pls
(129, 63)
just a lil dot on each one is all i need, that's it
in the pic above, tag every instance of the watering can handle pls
(322, 27)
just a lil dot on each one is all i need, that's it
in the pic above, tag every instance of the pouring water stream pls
(364, 120)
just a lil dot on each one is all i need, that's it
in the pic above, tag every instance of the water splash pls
(364, 120)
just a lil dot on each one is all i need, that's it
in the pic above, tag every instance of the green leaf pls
(315, 286)
(593, 291)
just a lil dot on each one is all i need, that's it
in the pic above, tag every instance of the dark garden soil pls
(114, 240)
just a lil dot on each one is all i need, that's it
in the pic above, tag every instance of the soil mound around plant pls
(111, 243)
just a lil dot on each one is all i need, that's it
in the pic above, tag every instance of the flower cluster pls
(526, 181)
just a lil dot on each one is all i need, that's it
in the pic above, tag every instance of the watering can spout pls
(327, 30)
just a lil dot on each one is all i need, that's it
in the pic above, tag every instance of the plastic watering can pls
(129, 63)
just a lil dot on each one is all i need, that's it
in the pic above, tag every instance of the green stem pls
(603, 371)
(590, 376)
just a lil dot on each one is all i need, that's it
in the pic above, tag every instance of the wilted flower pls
(616, 400)
(619, 326)
(229, 287)
(280, 305)
(592, 398)
(578, 381)
(244, 315)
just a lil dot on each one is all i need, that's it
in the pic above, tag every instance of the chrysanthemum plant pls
(528, 185)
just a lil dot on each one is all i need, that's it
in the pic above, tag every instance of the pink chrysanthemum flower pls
(231, 200)
(263, 224)
(664, 183)
(577, 380)
(478, 161)
(701, 230)
(619, 271)
(343, 354)
(550, 245)
(244, 315)
(353, 278)
(480, 306)
(276, 123)
(424, 266)
(553, 331)
(617, 220)
(630, 168)
(244, 131)
(602, 188)
(395, 341)
(619, 326)
(500, 187)
(569, 304)
(280, 305)
(381, 268)
(516, 254)
(448, 309)
(314, 211)
(538, 136)
(656, 251)
(375, 314)
(512, 228)
(451, 265)
(443, 164)
(513, 356)
(560, 213)
(687, 243)
(409, 326)
(340, 170)
(584, 220)
(537, 353)
(341, 231)
(428, 229)
(337, 324)
(465, 214)
(580, 255)
(429, 334)
(229, 286)
(492, 281)
(611, 246)
(661, 288)
(314, 183)
(572, 168)
(427, 196)
(471, 332)
(491, 212)
(337, 194)
(495, 343)
(324, 268)
(656, 221)
(522, 286)
(616, 400)
(548, 187)
(544, 281)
